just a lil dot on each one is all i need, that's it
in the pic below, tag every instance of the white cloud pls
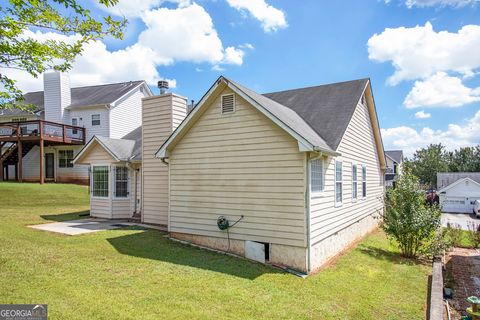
(456, 136)
(441, 90)
(270, 17)
(422, 115)
(134, 9)
(440, 3)
(98, 65)
(420, 52)
(185, 33)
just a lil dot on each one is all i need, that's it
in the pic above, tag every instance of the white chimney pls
(56, 96)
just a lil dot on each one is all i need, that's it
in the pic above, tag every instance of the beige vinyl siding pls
(121, 208)
(96, 155)
(357, 146)
(160, 114)
(100, 208)
(238, 164)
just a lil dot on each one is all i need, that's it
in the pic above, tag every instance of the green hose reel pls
(222, 223)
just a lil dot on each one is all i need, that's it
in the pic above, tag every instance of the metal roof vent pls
(163, 86)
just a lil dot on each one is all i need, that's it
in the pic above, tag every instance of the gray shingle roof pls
(135, 135)
(447, 178)
(128, 148)
(122, 149)
(288, 116)
(396, 155)
(327, 109)
(82, 96)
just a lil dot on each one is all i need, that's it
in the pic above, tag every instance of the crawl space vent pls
(228, 103)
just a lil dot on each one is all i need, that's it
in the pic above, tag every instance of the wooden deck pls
(36, 130)
(15, 135)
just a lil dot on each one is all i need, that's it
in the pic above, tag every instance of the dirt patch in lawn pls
(462, 275)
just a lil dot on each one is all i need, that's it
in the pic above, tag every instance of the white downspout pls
(307, 204)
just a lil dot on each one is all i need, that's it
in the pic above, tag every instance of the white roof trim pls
(303, 144)
(451, 185)
(387, 156)
(143, 83)
(88, 145)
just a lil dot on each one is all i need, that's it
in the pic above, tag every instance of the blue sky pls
(282, 44)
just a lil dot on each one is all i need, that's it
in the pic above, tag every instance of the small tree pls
(407, 219)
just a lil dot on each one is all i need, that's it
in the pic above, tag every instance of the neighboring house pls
(394, 167)
(298, 174)
(458, 190)
(63, 120)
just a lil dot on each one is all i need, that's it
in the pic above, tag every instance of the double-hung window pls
(65, 158)
(354, 182)
(121, 182)
(95, 119)
(364, 181)
(338, 183)
(100, 181)
(316, 175)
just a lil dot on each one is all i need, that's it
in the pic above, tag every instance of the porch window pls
(354, 182)
(95, 119)
(364, 181)
(65, 158)
(100, 181)
(316, 175)
(121, 182)
(338, 182)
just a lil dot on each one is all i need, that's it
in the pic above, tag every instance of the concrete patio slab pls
(82, 226)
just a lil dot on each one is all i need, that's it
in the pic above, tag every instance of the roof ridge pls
(317, 86)
(105, 84)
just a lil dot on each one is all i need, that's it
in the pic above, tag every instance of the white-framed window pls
(228, 103)
(338, 183)
(121, 182)
(364, 181)
(100, 181)
(65, 158)
(316, 175)
(95, 119)
(354, 182)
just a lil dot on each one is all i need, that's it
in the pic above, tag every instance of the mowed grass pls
(138, 274)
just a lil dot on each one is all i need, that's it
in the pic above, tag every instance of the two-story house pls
(62, 121)
(394, 160)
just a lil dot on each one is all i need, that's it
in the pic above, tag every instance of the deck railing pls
(40, 129)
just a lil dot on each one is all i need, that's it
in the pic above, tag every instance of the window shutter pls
(228, 103)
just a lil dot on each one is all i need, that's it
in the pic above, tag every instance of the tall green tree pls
(66, 17)
(426, 162)
(464, 159)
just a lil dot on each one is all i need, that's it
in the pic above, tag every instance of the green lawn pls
(138, 274)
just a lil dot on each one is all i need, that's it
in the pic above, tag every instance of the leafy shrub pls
(473, 234)
(438, 244)
(407, 219)
(454, 234)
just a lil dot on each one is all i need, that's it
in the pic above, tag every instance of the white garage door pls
(456, 204)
